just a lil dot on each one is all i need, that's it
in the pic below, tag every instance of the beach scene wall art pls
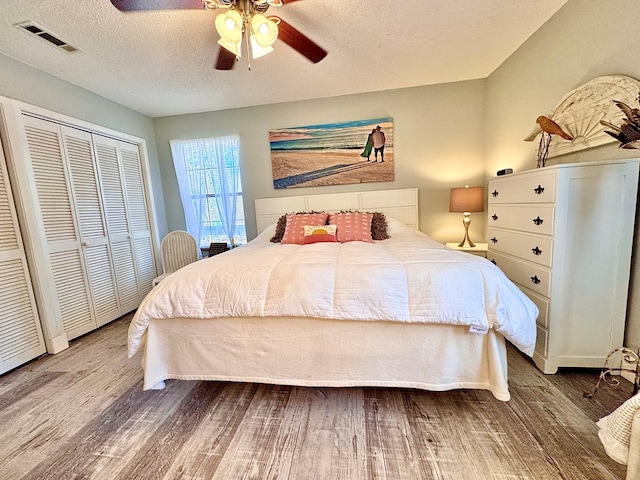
(332, 154)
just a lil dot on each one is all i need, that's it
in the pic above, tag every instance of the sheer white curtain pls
(208, 168)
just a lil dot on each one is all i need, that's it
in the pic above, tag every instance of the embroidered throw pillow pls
(319, 233)
(294, 229)
(352, 226)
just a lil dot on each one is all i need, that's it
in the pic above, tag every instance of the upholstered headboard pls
(400, 204)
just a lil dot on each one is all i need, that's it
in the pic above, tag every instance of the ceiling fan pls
(239, 20)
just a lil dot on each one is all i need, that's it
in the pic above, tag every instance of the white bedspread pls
(407, 278)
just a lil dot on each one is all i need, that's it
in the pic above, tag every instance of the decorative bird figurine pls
(549, 126)
(546, 125)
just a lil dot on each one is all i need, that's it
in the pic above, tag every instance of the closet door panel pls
(138, 217)
(45, 151)
(54, 195)
(146, 265)
(20, 334)
(127, 279)
(128, 223)
(112, 187)
(73, 298)
(115, 207)
(91, 223)
(134, 188)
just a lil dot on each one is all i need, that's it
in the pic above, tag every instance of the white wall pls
(438, 144)
(584, 40)
(21, 82)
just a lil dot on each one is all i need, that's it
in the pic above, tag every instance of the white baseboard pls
(57, 344)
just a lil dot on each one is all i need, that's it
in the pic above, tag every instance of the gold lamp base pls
(466, 241)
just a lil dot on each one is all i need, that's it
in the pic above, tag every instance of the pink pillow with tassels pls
(294, 230)
(352, 226)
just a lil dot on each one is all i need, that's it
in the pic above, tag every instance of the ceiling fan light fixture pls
(229, 26)
(258, 50)
(265, 31)
(233, 47)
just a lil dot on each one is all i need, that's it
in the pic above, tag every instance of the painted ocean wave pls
(342, 136)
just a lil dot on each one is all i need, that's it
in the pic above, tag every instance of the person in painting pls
(368, 146)
(377, 139)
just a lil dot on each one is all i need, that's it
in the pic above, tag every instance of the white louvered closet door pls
(120, 238)
(20, 333)
(138, 217)
(63, 241)
(91, 223)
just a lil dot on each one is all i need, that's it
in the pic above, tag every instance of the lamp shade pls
(265, 31)
(466, 199)
(229, 26)
(258, 50)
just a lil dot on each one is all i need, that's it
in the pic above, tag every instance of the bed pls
(401, 312)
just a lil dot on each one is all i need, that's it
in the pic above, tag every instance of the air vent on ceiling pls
(46, 36)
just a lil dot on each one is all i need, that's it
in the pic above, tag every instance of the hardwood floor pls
(82, 414)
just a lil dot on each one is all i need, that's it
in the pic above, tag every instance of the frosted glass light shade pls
(235, 48)
(258, 50)
(265, 31)
(229, 26)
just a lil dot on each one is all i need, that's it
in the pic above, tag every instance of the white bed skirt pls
(325, 353)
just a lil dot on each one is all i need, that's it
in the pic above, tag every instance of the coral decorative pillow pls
(352, 226)
(294, 230)
(319, 233)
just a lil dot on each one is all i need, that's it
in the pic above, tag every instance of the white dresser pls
(564, 234)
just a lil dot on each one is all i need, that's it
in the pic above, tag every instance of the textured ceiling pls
(160, 63)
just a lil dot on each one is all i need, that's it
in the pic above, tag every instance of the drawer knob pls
(538, 220)
(495, 193)
(536, 251)
(494, 240)
(494, 216)
(539, 190)
(535, 279)
(493, 261)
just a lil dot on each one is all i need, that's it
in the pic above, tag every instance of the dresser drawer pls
(527, 218)
(534, 188)
(534, 277)
(542, 341)
(543, 306)
(534, 248)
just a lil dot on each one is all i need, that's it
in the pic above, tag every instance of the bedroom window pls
(208, 173)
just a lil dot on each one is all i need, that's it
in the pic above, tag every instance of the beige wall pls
(21, 82)
(438, 144)
(584, 40)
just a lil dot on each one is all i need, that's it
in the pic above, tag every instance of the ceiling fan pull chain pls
(247, 33)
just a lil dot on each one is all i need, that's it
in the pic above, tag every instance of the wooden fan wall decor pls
(241, 15)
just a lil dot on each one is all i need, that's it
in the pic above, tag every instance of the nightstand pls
(480, 249)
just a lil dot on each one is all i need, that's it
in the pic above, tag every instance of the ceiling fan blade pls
(300, 42)
(137, 5)
(226, 60)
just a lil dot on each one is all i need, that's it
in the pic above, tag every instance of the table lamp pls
(466, 200)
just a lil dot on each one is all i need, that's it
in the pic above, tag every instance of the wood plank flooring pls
(82, 414)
